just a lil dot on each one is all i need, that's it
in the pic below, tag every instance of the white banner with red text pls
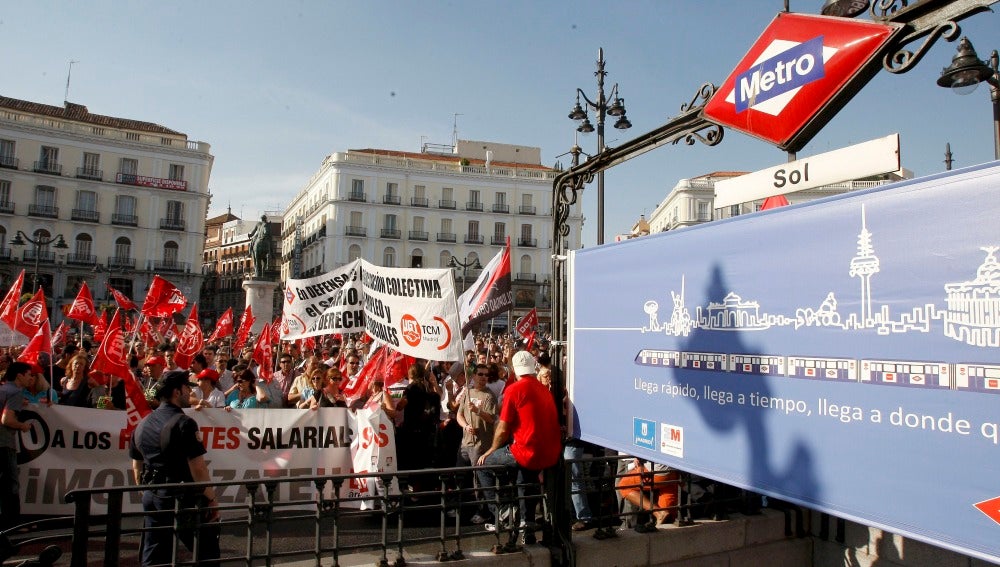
(80, 448)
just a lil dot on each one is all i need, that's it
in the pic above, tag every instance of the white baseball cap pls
(523, 363)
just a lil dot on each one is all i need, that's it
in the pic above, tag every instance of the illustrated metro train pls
(976, 377)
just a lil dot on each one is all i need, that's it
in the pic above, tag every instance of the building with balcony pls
(691, 201)
(129, 199)
(418, 209)
(227, 262)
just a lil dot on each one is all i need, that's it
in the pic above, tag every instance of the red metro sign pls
(801, 71)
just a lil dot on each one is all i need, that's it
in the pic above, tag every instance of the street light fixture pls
(21, 239)
(456, 263)
(964, 75)
(601, 107)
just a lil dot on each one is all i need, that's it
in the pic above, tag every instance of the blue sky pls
(275, 87)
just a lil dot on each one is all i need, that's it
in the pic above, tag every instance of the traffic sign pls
(801, 71)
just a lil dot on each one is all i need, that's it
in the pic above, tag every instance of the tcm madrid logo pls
(778, 74)
(436, 332)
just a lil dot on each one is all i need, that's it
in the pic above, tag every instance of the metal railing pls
(315, 522)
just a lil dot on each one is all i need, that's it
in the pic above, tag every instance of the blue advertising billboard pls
(842, 354)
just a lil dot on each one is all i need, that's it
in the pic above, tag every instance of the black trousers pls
(158, 543)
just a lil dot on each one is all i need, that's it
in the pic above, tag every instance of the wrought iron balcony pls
(47, 211)
(47, 256)
(7, 207)
(525, 277)
(527, 209)
(4, 254)
(473, 206)
(47, 166)
(391, 233)
(473, 238)
(120, 262)
(419, 235)
(446, 204)
(527, 242)
(171, 224)
(358, 196)
(124, 220)
(85, 215)
(356, 231)
(9, 162)
(89, 173)
(501, 208)
(446, 237)
(418, 201)
(81, 259)
(169, 266)
(391, 199)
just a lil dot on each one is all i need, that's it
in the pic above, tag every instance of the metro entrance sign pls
(801, 71)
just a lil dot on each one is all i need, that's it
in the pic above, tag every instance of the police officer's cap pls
(173, 381)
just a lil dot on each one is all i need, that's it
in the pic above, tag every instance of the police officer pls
(166, 448)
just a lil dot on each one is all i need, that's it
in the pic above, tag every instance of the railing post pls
(113, 525)
(81, 527)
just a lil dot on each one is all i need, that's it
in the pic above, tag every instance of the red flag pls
(31, 315)
(146, 332)
(163, 299)
(59, 336)
(263, 354)
(276, 330)
(774, 202)
(526, 325)
(110, 359)
(246, 321)
(101, 327)
(224, 327)
(8, 309)
(83, 307)
(191, 340)
(122, 301)
(41, 342)
(386, 363)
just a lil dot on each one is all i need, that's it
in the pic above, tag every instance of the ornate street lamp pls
(456, 263)
(601, 107)
(40, 242)
(964, 75)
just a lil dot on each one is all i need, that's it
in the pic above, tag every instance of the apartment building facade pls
(106, 200)
(422, 209)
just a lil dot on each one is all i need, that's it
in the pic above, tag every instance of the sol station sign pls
(801, 71)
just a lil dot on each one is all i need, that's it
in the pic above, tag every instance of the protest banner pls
(413, 310)
(324, 304)
(71, 448)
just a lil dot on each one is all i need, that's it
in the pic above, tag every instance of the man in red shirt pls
(527, 437)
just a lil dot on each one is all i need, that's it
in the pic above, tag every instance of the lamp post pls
(456, 263)
(964, 75)
(40, 242)
(601, 108)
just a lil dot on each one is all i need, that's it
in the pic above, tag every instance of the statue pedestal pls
(260, 300)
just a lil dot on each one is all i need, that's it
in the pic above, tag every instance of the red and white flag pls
(386, 363)
(191, 340)
(31, 315)
(101, 327)
(41, 342)
(224, 327)
(8, 309)
(526, 326)
(111, 359)
(83, 307)
(59, 335)
(163, 300)
(263, 354)
(122, 300)
(490, 295)
(246, 321)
